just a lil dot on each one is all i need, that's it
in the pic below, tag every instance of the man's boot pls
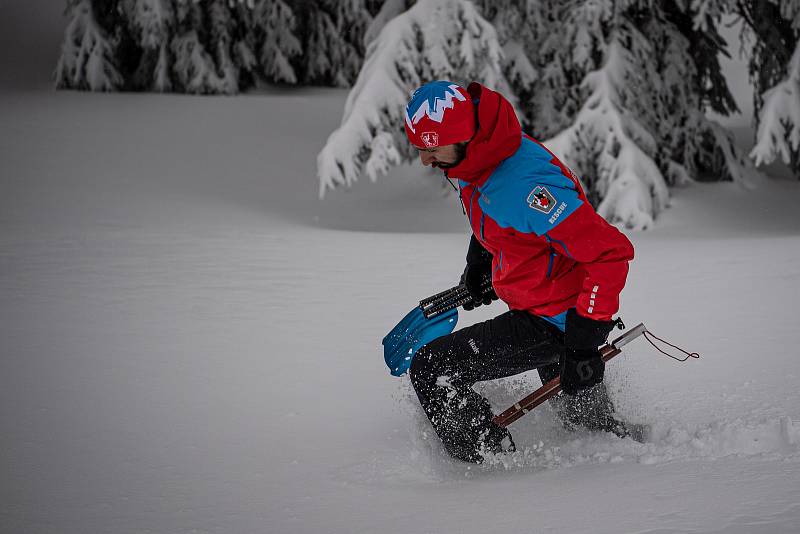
(591, 408)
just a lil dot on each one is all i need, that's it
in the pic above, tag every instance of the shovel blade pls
(410, 334)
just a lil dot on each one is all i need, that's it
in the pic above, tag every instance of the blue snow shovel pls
(436, 316)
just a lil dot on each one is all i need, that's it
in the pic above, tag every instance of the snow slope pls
(191, 341)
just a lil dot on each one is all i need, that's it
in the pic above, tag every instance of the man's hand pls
(474, 279)
(476, 275)
(582, 365)
(581, 370)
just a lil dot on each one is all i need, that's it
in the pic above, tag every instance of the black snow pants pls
(444, 371)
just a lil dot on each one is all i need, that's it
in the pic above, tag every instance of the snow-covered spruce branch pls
(704, 12)
(433, 40)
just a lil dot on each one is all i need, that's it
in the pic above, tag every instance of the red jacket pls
(551, 250)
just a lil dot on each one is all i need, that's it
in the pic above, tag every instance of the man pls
(558, 265)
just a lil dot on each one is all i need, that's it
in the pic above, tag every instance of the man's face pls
(443, 157)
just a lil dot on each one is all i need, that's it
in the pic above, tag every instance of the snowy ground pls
(191, 341)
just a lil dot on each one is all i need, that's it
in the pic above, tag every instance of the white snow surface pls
(191, 341)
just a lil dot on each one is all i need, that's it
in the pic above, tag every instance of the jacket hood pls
(498, 136)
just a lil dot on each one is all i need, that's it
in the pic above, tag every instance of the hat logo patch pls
(431, 139)
(542, 200)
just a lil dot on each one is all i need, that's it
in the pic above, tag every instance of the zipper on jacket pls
(499, 263)
(483, 217)
(563, 245)
(471, 198)
(552, 256)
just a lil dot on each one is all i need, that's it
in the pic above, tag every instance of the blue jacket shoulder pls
(528, 192)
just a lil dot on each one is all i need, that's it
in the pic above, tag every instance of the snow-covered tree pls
(194, 68)
(245, 44)
(352, 20)
(616, 126)
(779, 125)
(334, 43)
(88, 55)
(275, 23)
(221, 30)
(775, 25)
(215, 46)
(445, 39)
(566, 57)
(203, 45)
(642, 124)
(687, 47)
(521, 30)
(698, 23)
(150, 24)
(321, 37)
(208, 46)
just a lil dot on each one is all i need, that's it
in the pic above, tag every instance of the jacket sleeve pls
(604, 253)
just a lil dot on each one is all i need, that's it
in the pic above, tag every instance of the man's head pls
(440, 121)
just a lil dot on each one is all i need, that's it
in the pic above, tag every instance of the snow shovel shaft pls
(450, 299)
(552, 388)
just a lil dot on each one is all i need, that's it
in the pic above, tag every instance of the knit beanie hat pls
(439, 113)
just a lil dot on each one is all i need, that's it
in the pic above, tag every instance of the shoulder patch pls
(541, 199)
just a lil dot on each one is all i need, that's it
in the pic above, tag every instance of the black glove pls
(582, 365)
(476, 275)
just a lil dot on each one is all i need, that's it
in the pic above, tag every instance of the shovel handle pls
(449, 299)
(439, 297)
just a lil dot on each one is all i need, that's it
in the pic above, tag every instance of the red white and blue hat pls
(439, 113)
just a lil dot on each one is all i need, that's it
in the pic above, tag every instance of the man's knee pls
(422, 366)
(442, 358)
